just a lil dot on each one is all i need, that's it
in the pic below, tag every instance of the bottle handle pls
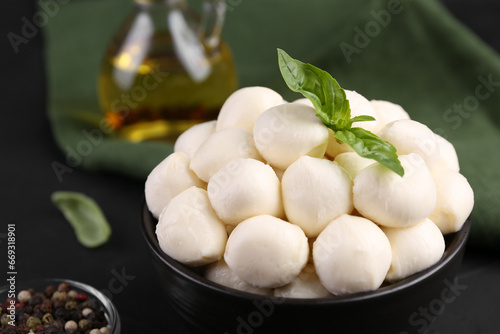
(212, 20)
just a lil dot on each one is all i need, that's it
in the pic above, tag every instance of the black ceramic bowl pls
(396, 308)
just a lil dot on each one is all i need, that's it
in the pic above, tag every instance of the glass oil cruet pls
(166, 69)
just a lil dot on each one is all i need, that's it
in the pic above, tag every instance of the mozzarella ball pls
(409, 136)
(288, 131)
(388, 199)
(359, 106)
(169, 178)
(220, 148)
(387, 112)
(220, 273)
(242, 108)
(189, 231)
(245, 188)
(448, 157)
(315, 191)
(266, 251)
(305, 285)
(191, 139)
(351, 254)
(336, 147)
(414, 249)
(304, 101)
(455, 200)
(352, 162)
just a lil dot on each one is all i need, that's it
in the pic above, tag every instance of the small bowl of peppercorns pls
(53, 306)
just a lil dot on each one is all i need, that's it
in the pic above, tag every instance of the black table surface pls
(45, 242)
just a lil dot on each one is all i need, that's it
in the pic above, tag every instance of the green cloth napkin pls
(409, 52)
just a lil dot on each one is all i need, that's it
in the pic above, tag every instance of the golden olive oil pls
(152, 95)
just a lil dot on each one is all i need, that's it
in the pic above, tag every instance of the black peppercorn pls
(36, 299)
(61, 313)
(46, 306)
(49, 290)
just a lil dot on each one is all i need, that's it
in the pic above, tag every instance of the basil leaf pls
(362, 118)
(82, 212)
(368, 145)
(326, 95)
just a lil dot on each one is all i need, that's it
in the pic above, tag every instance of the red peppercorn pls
(81, 297)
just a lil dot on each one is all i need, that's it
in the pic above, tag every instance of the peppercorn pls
(58, 304)
(71, 326)
(90, 303)
(84, 324)
(71, 305)
(32, 322)
(49, 290)
(63, 287)
(51, 329)
(10, 330)
(23, 296)
(59, 295)
(37, 313)
(4, 320)
(46, 306)
(28, 309)
(35, 300)
(72, 294)
(48, 318)
(81, 297)
(104, 330)
(60, 313)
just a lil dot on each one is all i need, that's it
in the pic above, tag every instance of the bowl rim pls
(454, 243)
(111, 312)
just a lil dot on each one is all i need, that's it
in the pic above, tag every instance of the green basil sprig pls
(332, 107)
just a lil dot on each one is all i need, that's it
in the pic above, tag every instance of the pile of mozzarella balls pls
(271, 203)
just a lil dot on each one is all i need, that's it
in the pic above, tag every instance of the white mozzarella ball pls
(409, 136)
(245, 188)
(351, 254)
(191, 139)
(304, 101)
(359, 106)
(455, 200)
(266, 251)
(315, 191)
(387, 112)
(353, 162)
(219, 272)
(447, 154)
(189, 231)
(220, 148)
(305, 285)
(242, 108)
(414, 248)
(288, 131)
(169, 178)
(388, 199)
(336, 147)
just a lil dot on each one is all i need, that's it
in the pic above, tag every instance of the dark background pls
(46, 246)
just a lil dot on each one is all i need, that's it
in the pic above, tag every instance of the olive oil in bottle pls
(165, 70)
